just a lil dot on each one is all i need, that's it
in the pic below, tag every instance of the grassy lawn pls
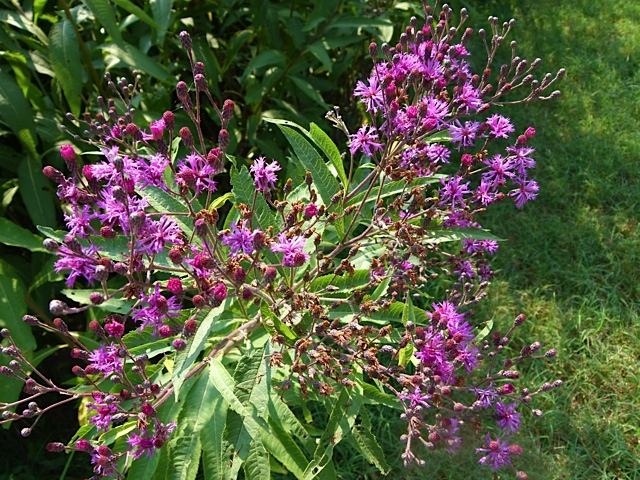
(572, 257)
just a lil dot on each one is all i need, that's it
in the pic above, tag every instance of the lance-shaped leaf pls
(15, 112)
(366, 443)
(103, 11)
(64, 53)
(164, 202)
(16, 236)
(341, 420)
(35, 192)
(214, 462)
(13, 308)
(312, 161)
(186, 358)
(201, 404)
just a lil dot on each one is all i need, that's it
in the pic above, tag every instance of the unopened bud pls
(57, 307)
(187, 138)
(185, 39)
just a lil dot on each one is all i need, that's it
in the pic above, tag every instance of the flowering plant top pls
(358, 285)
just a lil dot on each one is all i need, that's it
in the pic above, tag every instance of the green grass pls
(571, 261)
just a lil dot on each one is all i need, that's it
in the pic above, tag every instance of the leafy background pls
(570, 263)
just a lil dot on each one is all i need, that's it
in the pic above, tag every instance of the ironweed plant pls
(357, 287)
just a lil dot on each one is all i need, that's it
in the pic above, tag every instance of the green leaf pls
(115, 305)
(375, 395)
(341, 420)
(408, 314)
(442, 236)
(324, 142)
(308, 89)
(367, 445)
(12, 309)
(214, 462)
(283, 447)
(269, 58)
(134, 58)
(46, 274)
(199, 407)
(256, 466)
(15, 112)
(243, 422)
(405, 354)
(161, 11)
(344, 283)
(325, 182)
(319, 50)
(105, 15)
(187, 358)
(138, 12)
(485, 331)
(164, 202)
(64, 53)
(34, 190)
(22, 22)
(16, 236)
(273, 324)
(144, 467)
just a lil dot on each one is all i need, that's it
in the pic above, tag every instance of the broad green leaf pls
(485, 331)
(408, 313)
(341, 421)
(164, 202)
(16, 236)
(214, 462)
(64, 53)
(324, 142)
(134, 58)
(46, 274)
(319, 50)
(283, 447)
(344, 283)
(187, 358)
(161, 11)
(199, 407)
(257, 463)
(375, 395)
(221, 200)
(22, 22)
(442, 236)
(12, 309)
(114, 433)
(392, 189)
(405, 355)
(310, 158)
(115, 305)
(15, 112)
(103, 11)
(269, 58)
(144, 342)
(144, 467)
(183, 458)
(34, 190)
(138, 12)
(271, 322)
(362, 438)
(307, 89)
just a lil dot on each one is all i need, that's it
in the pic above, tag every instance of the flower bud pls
(57, 307)
(55, 447)
(169, 120)
(164, 331)
(30, 320)
(179, 344)
(185, 39)
(187, 138)
(50, 245)
(223, 138)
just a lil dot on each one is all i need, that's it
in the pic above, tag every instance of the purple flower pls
(78, 222)
(102, 419)
(239, 239)
(465, 135)
(292, 249)
(365, 140)
(194, 172)
(521, 158)
(497, 452)
(508, 419)
(155, 234)
(500, 126)
(453, 191)
(371, 94)
(416, 398)
(468, 98)
(264, 176)
(81, 264)
(141, 445)
(152, 173)
(485, 396)
(106, 360)
(527, 190)
(499, 170)
(157, 310)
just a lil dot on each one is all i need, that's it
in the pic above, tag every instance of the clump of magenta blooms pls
(425, 174)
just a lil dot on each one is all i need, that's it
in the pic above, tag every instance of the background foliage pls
(572, 258)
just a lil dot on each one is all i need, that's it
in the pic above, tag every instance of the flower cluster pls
(336, 274)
